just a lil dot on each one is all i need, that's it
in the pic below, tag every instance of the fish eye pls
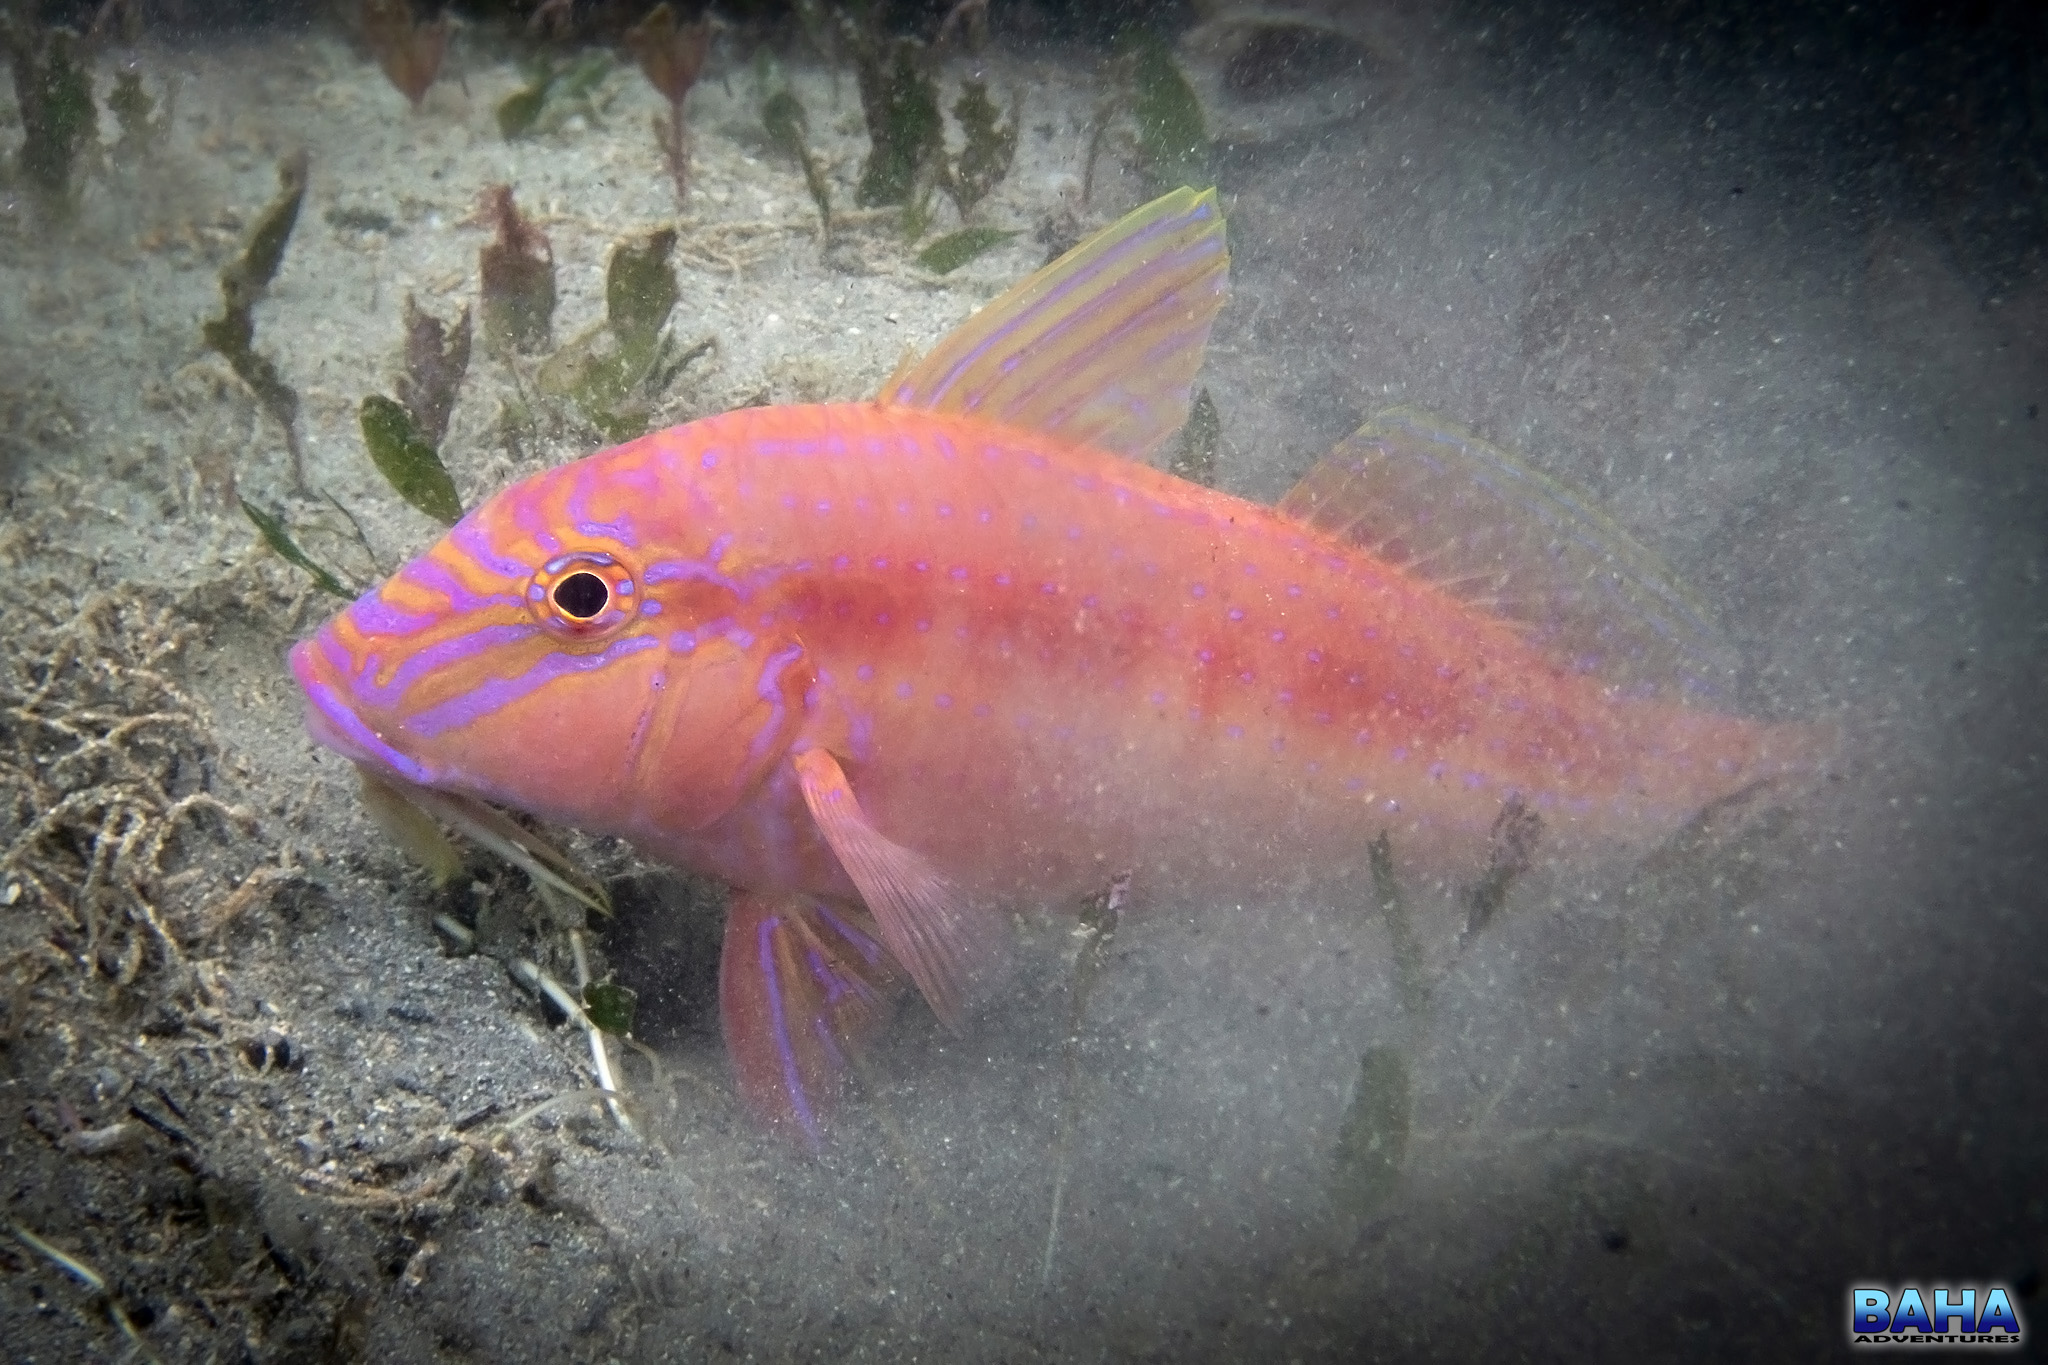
(584, 596)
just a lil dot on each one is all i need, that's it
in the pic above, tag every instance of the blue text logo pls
(1945, 1315)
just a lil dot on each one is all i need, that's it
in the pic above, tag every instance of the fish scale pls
(891, 669)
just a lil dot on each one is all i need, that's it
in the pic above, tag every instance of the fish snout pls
(334, 718)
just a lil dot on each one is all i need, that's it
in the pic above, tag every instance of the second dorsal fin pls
(1099, 347)
(1441, 504)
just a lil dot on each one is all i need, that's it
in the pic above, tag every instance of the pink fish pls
(893, 668)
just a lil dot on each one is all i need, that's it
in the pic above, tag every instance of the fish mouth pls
(334, 723)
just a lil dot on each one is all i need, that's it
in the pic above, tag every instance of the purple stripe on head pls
(792, 1078)
(468, 537)
(375, 616)
(493, 693)
(347, 724)
(435, 577)
(620, 530)
(435, 657)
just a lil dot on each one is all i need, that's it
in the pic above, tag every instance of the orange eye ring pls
(583, 596)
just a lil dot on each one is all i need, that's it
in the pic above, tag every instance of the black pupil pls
(582, 595)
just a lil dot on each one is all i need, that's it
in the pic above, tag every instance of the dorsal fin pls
(1099, 347)
(1440, 503)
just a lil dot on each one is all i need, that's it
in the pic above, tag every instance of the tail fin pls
(802, 987)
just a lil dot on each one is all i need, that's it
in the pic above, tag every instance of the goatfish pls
(894, 670)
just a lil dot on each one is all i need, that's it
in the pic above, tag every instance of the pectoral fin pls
(924, 922)
(802, 987)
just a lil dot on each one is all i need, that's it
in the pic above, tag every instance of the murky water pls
(1768, 286)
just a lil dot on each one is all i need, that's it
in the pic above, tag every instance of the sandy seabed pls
(1667, 1110)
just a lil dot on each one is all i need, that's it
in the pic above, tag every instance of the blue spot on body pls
(903, 690)
(866, 672)
(943, 702)
(1234, 731)
(1198, 590)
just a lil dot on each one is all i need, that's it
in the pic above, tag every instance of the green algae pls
(408, 463)
(990, 150)
(1169, 142)
(956, 249)
(53, 92)
(1173, 141)
(243, 283)
(280, 541)
(789, 126)
(516, 276)
(1509, 853)
(616, 370)
(900, 100)
(555, 91)
(610, 1007)
(1194, 454)
(1372, 1138)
